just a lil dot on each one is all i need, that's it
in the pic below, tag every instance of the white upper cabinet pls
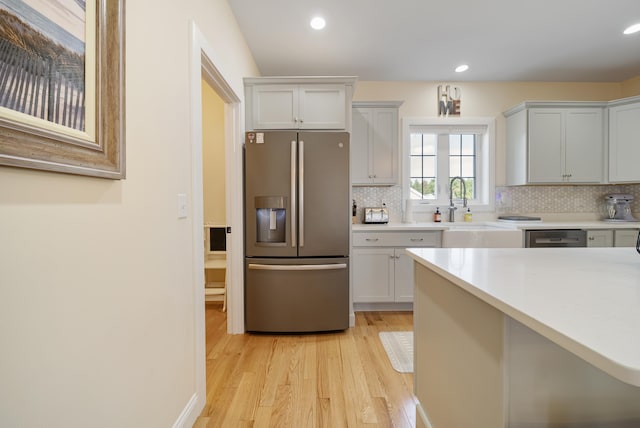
(374, 143)
(274, 106)
(584, 145)
(556, 143)
(624, 141)
(298, 103)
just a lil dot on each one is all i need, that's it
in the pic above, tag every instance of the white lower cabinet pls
(373, 275)
(403, 277)
(625, 237)
(612, 238)
(600, 238)
(382, 272)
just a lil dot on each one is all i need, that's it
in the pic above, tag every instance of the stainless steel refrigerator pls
(297, 223)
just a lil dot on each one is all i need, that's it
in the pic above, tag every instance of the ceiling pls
(413, 40)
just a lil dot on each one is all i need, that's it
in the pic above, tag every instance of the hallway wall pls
(96, 276)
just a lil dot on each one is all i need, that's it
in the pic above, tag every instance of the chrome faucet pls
(452, 207)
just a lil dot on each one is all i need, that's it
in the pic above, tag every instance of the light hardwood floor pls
(304, 381)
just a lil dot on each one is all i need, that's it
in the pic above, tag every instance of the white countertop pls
(395, 227)
(596, 224)
(498, 224)
(586, 300)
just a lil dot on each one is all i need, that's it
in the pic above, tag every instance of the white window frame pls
(485, 173)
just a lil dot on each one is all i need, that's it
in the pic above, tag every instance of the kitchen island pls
(531, 338)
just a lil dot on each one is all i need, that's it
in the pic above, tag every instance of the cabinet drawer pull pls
(371, 239)
(417, 239)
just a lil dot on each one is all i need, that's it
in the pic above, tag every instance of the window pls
(423, 166)
(423, 162)
(437, 150)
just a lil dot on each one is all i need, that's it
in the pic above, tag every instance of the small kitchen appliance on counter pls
(617, 207)
(379, 215)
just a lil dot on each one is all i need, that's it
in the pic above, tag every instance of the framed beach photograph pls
(62, 86)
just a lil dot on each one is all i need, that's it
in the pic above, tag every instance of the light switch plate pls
(182, 205)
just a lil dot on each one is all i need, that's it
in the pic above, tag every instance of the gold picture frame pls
(99, 152)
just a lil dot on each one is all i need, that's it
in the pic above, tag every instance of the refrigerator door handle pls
(293, 194)
(331, 266)
(301, 192)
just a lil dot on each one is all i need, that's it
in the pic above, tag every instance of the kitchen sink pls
(480, 236)
(472, 226)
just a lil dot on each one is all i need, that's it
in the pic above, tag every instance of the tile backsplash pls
(560, 199)
(375, 196)
(514, 200)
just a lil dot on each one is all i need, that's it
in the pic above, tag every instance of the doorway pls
(214, 198)
(207, 77)
(203, 66)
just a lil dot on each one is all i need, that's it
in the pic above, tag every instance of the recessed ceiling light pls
(318, 23)
(461, 68)
(633, 29)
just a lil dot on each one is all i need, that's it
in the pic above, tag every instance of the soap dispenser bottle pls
(354, 209)
(468, 216)
(437, 217)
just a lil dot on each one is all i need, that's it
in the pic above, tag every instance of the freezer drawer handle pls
(332, 266)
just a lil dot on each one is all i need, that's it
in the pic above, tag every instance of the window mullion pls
(442, 172)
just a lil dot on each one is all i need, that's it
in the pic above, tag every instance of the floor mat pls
(399, 348)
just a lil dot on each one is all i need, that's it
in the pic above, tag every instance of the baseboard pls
(189, 414)
(383, 306)
(422, 421)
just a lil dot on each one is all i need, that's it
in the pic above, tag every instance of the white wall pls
(631, 87)
(96, 288)
(213, 157)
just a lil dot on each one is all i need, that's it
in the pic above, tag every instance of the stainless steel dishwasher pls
(555, 238)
